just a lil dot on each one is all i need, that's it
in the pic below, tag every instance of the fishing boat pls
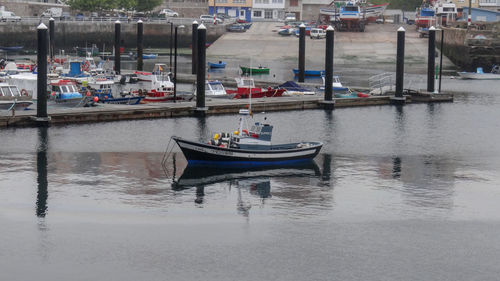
(481, 75)
(66, 92)
(246, 89)
(220, 64)
(254, 70)
(246, 147)
(158, 69)
(12, 98)
(309, 72)
(293, 88)
(425, 17)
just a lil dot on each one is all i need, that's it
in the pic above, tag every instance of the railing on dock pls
(381, 83)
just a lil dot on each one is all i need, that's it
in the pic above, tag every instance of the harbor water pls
(397, 193)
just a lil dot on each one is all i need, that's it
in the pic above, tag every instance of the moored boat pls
(309, 72)
(254, 70)
(243, 147)
(481, 75)
(246, 88)
(12, 98)
(220, 64)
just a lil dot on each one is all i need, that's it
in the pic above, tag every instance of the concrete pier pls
(104, 113)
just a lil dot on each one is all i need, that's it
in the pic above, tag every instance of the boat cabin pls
(64, 89)
(9, 91)
(214, 88)
(246, 85)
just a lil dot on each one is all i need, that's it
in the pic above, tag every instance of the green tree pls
(147, 5)
(91, 5)
(127, 4)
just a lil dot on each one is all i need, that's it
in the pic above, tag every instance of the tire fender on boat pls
(24, 92)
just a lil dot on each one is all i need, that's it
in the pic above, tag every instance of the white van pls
(290, 17)
(317, 33)
(6, 16)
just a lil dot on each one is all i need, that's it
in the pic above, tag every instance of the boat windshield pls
(5, 91)
(217, 86)
(351, 8)
(246, 83)
(67, 88)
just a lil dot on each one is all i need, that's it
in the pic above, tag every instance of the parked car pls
(317, 33)
(168, 13)
(52, 13)
(6, 16)
(290, 17)
(79, 17)
(94, 15)
(65, 16)
(210, 19)
(223, 16)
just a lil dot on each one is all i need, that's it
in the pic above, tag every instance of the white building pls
(268, 10)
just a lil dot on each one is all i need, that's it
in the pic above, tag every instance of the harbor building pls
(268, 10)
(241, 9)
(483, 15)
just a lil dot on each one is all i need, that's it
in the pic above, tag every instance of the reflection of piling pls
(194, 47)
(52, 42)
(117, 47)
(200, 72)
(441, 59)
(42, 72)
(431, 63)
(140, 46)
(330, 33)
(400, 62)
(302, 52)
(41, 164)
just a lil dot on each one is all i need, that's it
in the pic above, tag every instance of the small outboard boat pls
(246, 147)
(220, 64)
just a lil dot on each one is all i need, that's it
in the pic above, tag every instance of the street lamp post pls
(171, 35)
(175, 62)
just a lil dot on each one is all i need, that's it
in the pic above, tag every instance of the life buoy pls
(24, 92)
(86, 66)
(245, 131)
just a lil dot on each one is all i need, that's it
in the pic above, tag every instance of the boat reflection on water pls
(256, 179)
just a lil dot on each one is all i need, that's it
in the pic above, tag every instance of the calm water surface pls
(405, 193)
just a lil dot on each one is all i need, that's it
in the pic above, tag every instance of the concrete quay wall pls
(470, 49)
(72, 34)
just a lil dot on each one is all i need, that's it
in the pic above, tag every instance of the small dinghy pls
(220, 64)
(245, 147)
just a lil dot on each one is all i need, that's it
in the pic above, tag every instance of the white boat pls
(12, 98)
(158, 69)
(480, 75)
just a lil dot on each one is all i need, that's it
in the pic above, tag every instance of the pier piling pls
(330, 34)
(194, 49)
(117, 47)
(140, 45)
(52, 42)
(200, 71)
(431, 60)
(41, 105)
(400, 65)
(441, 59)
(302, 52)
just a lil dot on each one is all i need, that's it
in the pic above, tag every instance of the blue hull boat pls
(149, 56)
(221, 64)
(310, 72)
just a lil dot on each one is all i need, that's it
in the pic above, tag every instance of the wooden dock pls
(109, 112)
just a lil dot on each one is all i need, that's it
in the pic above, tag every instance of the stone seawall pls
(73, 34)
(470, 49)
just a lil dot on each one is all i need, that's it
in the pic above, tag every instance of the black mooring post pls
(194, 47)
(200, 72)
(302, 52)
(431, 60)
(175, 65)
(117, 47)
(330, 32)
(441, 59)
(140, 45)
(52, 42)
(400, 62)
(41, 88)
(171, 43)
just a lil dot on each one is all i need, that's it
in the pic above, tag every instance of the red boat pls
(246, 86)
